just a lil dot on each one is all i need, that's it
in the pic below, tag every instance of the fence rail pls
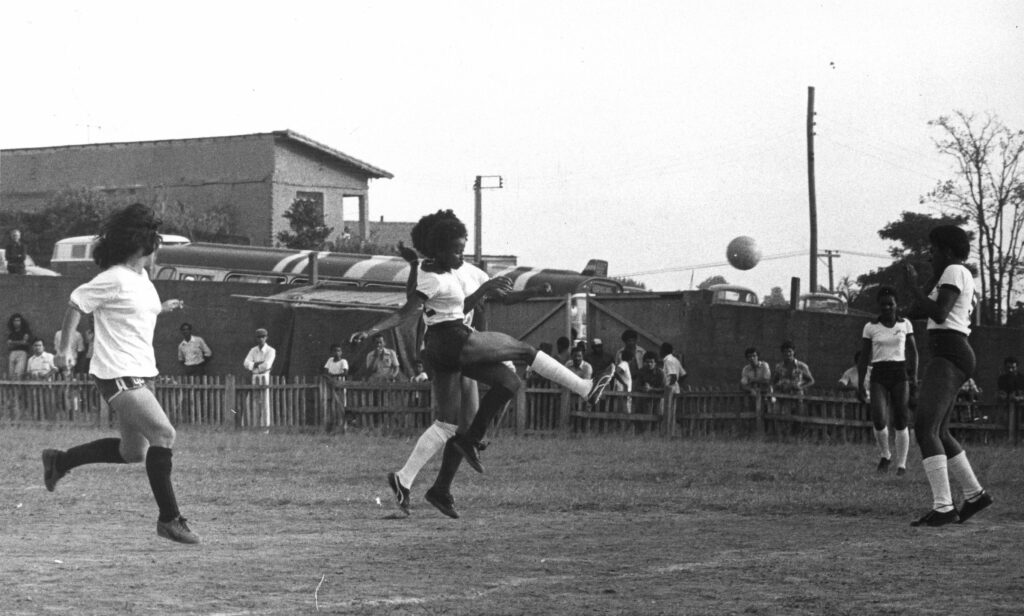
(322, 404)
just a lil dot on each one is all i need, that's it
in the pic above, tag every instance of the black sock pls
(105, 450)
(490, 405)
(158, 467)
(450, 461)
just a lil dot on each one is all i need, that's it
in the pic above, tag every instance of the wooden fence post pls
(564, 410)
(229, 400)
(669, 416)
(1012, 420)
(759, 415)
(521, 410)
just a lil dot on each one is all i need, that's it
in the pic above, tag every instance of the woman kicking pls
(948, 302)
(888, 343)
(125, 305)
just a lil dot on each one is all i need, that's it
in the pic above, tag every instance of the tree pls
(306, 219)
(989, 190)
(208, 224)
(712, 281)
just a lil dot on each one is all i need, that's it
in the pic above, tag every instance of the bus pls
(72, 256)
(209, 262)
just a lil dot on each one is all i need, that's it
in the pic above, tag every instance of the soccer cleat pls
(50, 473)
(443, 501)
(401, 493)
(469, 450)
(937, 518)
(901, 471)
(883, 465)
(176, 530)
(601, 383)
(969, 508)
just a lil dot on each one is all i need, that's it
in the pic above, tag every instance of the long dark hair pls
(24, 324)
(124, 232)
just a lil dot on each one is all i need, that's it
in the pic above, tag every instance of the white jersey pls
(446, 292)
(888, 343)
(472, 278)
(124, 305)
(959, 318)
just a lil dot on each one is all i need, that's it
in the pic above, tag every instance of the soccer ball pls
(743, 253)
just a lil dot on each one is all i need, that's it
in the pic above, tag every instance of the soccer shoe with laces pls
(883, 465)
(401, 493)
(50, 473)
(601, 383)
(176, 530)
(937, 518)
(470, 451)
(969, 508)
(443, 501)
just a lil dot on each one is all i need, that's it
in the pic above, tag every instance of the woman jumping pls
(125, 305)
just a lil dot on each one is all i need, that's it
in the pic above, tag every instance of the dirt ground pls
(608, 525)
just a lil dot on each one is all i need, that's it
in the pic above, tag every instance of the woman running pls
(125, 305)
(888, 344)
(948, 302)
(451, 346)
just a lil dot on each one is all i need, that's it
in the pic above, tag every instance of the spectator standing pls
(631, 353)
(19, 339)
(578, 365)
(622, 381)
(562, 351)
(967, 401)
(598, 358)
(672, 368)
(1011, 382)
(792, 376)
(382, 362)
(756, 376)
(84, 359)
(15, 253)
(336, 370)
(850, 379)
(76, 346)
(40, 365)
(193, 352)
(336, 367)
(420, 375)
(259, 361)
(650, 377)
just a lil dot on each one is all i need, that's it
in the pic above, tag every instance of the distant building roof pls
(289, 135)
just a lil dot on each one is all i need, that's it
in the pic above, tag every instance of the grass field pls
(596, 525)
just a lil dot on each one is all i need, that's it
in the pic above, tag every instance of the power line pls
(782, 255)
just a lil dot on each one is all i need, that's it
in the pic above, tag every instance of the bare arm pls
(862, 367)
(72, 316)
(936, 309)
(912, 358)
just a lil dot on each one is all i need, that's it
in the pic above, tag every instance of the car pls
(733, 294)
(823, 302)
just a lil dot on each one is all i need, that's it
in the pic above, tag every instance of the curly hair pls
(885, 291)
(952, 238)
(435, 232)
(24, 324)
(125, 232)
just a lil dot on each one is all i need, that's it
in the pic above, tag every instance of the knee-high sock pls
(963, 474)
(938, 479)
(450, 461)
(104, 450)
(553, 370)
(902, 447)
(490, 405)
(882, 440)
(430, 442)
(158, 468)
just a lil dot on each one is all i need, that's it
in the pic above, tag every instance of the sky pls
(646, 133)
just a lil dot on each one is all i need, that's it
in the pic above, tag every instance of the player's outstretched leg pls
(439, 495)
(57, 463)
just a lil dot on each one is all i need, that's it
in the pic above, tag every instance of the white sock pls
(938, 479)
(427, 446)
(553, 370)
(902, 447)
(963, 474)
(882, 440)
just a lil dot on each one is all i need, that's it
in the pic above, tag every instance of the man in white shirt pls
(193, 352)
(259, 361)
(672, 367)
(40, 365)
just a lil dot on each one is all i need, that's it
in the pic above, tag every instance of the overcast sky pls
(645, 133)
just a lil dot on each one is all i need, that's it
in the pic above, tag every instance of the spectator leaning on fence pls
(1011, 382)
(651, 378)
(336, 367)
(631, 353)
(381, 362)
(193, 352)
(672, 367)
(40, 365)
(598, 358)
(419, 372)
(792, 376)
(578, 366)
(756, 376)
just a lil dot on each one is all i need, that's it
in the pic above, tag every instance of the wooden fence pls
(321, 404)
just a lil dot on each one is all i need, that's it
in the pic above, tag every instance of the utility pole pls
(810, 188)
(478, 211)
(830, 254)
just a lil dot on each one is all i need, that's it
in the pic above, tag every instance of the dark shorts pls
(953, 347)
(889, 374)
(442, 345)
(110, 388)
